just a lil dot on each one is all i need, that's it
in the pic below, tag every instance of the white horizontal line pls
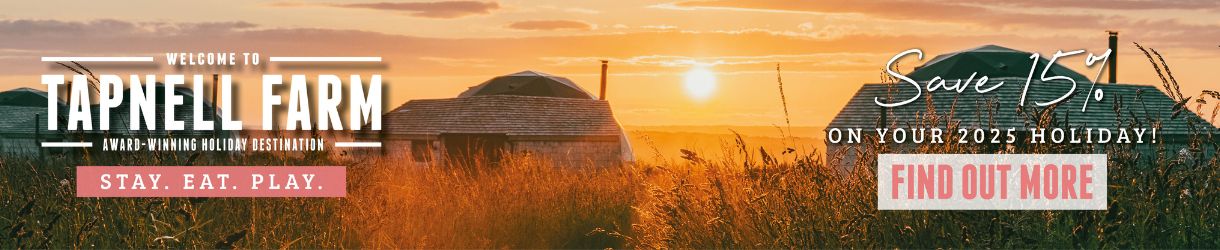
(67, 144)
(325, 59)
(357, 144)
(97, 59)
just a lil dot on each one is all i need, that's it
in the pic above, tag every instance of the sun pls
(700, 83)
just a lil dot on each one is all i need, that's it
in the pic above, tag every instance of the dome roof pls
(528, 83)
(989, 60)
(25, 97)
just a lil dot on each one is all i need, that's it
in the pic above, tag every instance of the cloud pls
(429, 67)
(928, 11)
(818, 59)
(460, 62)
(114, 28)
(21, 41)
(922, 7)
(660, 27)
(1020, 17)
(550, 25)
(1112, 4)
(576, 10)
(441, 9)
(407, 55)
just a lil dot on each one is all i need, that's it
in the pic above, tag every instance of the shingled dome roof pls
(528, 83)
(989, 60)
(25, 97)
(507, 114)
(999, 109)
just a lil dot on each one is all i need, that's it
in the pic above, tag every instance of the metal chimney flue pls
(602, 96)
(1113, 62)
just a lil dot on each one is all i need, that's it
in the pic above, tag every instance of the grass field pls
(742, 200)
(734, 194)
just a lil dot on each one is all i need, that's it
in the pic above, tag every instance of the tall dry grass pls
(525, 203)
(39, 209)
(1161, 196)
(745, 197)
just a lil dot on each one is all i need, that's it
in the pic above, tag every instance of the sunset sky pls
(438, 49)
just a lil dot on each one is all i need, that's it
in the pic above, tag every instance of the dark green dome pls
(989, 60)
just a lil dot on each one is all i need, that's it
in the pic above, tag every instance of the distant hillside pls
(761, 131)
(713, 141)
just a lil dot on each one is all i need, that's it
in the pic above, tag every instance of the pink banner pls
(211, 181)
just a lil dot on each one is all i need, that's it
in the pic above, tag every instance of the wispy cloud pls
(550, 25)
(641, 51)
(823, 59)
(460, 62)
(113, 28)
(929, 11)
(1112, 4)
(439, 9)
(1022, 15)
(1090, 14)
(576, 10)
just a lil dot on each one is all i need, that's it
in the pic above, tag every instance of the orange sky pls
(437, 49)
